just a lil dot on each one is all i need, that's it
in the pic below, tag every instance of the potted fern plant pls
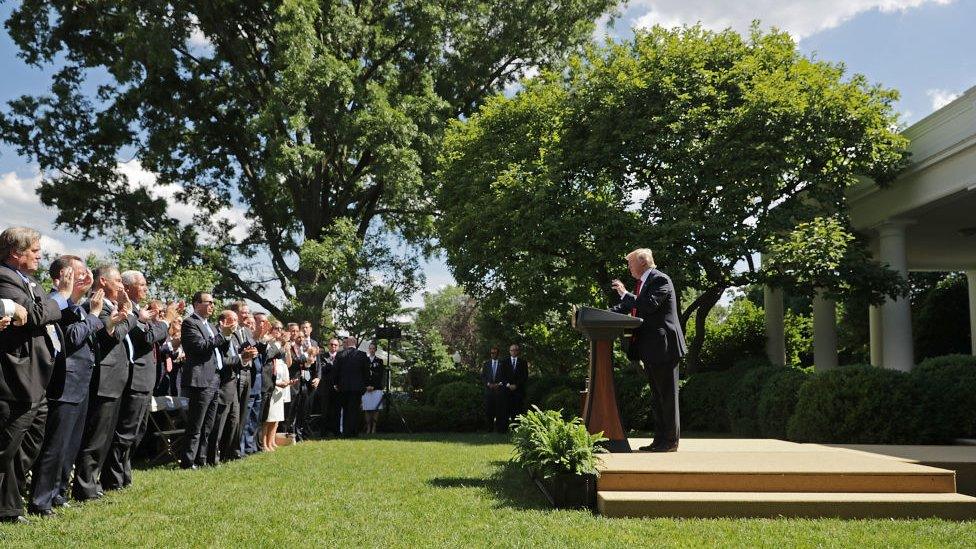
(560, 455)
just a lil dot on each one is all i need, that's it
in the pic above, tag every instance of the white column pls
(896, 315)
(874, 324)
(824, 332)
(971, 278)
(775, 325)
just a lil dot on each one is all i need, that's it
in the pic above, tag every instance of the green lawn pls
(409, 491)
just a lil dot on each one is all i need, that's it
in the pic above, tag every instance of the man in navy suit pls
(205, 347)
(659, 342)
(67, 394)
(351, 373)
(28, 350)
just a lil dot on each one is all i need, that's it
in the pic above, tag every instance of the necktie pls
(637, 289)
(128, 341)
(494, 369)
(220, 363)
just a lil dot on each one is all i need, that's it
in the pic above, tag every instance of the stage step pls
(830, 471)
(785, 504)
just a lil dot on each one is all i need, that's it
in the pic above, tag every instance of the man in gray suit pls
(659, 342)
(205, 347)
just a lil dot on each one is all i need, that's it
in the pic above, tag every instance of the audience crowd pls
(81, 364)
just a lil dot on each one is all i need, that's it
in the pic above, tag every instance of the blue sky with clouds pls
(923, 48)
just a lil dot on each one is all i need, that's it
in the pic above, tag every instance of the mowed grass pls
(409, 491)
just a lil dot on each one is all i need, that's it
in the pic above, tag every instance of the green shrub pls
(421, 418)
(548, 445)
(539, 387)
(566, 400)
(741, 334)
(461, 405)
(436, 381)
(857, 404)
(948, 396)
(633, 399)
(703, 400)
(777, 401)
(743, 400)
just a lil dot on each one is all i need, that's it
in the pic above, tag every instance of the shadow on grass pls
(476, 439)
(508, 484)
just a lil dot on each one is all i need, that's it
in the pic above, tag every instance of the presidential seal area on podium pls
(600, 411)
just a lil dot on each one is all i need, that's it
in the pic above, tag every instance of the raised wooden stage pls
(771, 478)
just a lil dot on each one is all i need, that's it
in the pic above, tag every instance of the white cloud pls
(801, 18)
(940, 98)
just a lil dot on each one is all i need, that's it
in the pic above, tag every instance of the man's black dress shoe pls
(665, 448)
(61, 503)
(17, 519)
(40, 512)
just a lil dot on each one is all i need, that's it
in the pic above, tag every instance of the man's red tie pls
(637, 288)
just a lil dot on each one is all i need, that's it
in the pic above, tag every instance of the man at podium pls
(659, 342)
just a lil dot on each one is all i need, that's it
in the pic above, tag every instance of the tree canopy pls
(708, 147)
(321, 120)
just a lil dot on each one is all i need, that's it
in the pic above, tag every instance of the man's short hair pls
(130, 277)
(60, 263)
(17, 239)
(260, 313)
(224, 313)
(104, 269)
(198, 296)
(238, 305)
(295, 324)
(644, 254)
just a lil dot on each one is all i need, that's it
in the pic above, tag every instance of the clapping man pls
(28, 349)
(204, 346)
(351, 374)
(109, 379)
(243, 340)
(328, 400)
(67, 393)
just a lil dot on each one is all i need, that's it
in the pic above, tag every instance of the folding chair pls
(167, 414)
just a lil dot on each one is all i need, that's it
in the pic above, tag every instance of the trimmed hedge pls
(633, 399)
(442, 378)
(460, 403)
(742, 405)
(858, 404)
(565, 400)
(777, 401)
(948, 397)
(703, 399)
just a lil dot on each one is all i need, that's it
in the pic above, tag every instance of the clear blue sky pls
(923, 48)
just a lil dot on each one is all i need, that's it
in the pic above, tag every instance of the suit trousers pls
(235, 445)
(103, 414)
(21, 423)
(663, 379)
(496, 410)
(132, 409)
(328, 402)
(219, 443)
(300, 403)
(516, 404)
(351, 404)
(62, 436)
(251, 441)
(201, 415)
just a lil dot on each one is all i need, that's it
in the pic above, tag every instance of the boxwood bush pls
(778, 400)
(948, 397)
(742, 405)
(461, 404)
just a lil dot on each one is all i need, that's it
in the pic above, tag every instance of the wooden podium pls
(600, 412)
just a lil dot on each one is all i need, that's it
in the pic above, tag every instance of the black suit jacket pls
(351, 370)
(518, 373)
(377, 374)
(112, 357)
(26, 352)
(200, 368)
(144, 338)
(659, 339)
(74, 367)
(269, 352)
(502, 375)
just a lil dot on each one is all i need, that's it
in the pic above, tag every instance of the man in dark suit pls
(659, 342)
(108, 383)
(28, 348)
(67, 393)
(518, 372)
(225, 439)
(328, 398)
(260, 381)
(351, 372)
(205, 347)
(494, 377)
(140, 346)
(243, 340)
(305, 369)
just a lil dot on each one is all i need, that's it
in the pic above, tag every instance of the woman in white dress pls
(373, 397)
(279, 357)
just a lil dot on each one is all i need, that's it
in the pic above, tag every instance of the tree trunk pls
(703, 305)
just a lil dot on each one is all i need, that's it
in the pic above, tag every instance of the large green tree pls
(306, 113)
(707, 147)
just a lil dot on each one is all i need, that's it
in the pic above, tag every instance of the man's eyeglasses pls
(206, 302)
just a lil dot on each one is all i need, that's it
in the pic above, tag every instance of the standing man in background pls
(494, 377)
(351, 373)
(518, 371)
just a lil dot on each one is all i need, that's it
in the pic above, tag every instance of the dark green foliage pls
(948, 396)
(703, 400)
(540, 387)
(858, 404)
(566, 400)
(633, 399)
(742, 405)
(438, 380)
(740, 336)
(460, 404)
(778, 400)
(940, 314)
(420, 418)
